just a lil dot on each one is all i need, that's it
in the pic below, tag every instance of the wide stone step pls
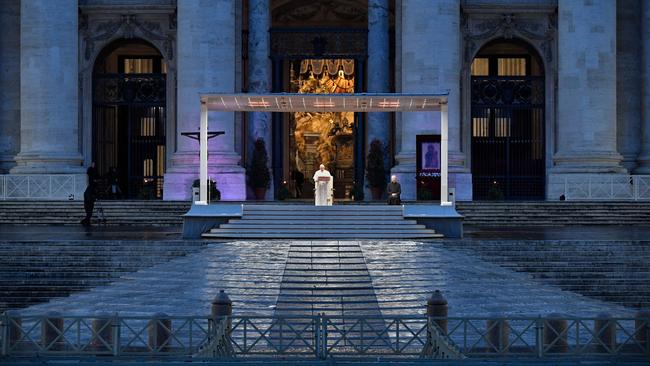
(352, 235)
(320, 227)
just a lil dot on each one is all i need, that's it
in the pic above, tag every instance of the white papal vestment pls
(323, 189)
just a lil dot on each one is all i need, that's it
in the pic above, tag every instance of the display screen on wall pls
(428, 167)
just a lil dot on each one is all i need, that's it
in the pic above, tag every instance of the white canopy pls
(292, 102)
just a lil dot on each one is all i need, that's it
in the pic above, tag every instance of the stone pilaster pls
(9, 83)
(628, 69)
(431, 68)
(644, 157)
(586, 127)
(205, 63)
(49, 130)
(378, 125)
(259, 75)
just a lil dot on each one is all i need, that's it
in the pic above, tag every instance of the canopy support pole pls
(203, 156)
(444, 147)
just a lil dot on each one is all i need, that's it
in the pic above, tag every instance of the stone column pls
(644, 157)
(378, 125)
(259, 76)
(426, 69)
(586, 127)
(49, 130)
(9, 83)
(205, 63)
(628, 85)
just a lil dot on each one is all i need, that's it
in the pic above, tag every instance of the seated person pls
(394, 190)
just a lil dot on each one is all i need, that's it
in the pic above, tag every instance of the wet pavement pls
(402, 275)
(95, 232)
(100, 232)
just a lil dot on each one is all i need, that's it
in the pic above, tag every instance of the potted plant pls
(213, 193)
(259, 177)
(375, 170)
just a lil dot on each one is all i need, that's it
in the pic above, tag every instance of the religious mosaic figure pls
(323, 187)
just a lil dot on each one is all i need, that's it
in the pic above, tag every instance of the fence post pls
(102, 331)
(323, 338)
(555, 333)
(159, 332)
(51, 332)
(222, 309)
(115, 329)
(437, 307)
(539, 339)
(605, 331)
(317, 341)
(4, 329)
(642, 329)
(497, 335)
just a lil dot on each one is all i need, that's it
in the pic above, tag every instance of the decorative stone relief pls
(97, 29)
(538, 29)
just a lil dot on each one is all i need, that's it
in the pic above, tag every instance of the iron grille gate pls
(508, 137)
(129, 131)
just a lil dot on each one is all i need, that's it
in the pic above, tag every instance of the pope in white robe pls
(323, 187)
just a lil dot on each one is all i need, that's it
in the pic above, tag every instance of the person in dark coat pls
(90, 194)
(112, 180)
(299, 180)
(394, 191)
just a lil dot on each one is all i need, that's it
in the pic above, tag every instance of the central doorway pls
(128, 119)
(316, 138)
(507, 125)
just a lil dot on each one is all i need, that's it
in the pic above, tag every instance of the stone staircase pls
(612, 271)
(155, 213)
(542, 213)
(481, 213)
(322, 222)
(33, 271)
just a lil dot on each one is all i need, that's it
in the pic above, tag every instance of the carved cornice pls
(128, 26)
(540, 30)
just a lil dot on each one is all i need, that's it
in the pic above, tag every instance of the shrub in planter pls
(375, 170)
(259, 177)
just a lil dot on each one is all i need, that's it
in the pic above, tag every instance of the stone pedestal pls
(259, 77)
(49, 131)
(586, 129)
(437, 25)
(643, 160)
(628, 85)
(9, 83)
(205, 63)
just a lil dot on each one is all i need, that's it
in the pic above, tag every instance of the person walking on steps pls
(90, 194)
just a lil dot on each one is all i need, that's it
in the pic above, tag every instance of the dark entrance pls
(129, 115)
(507, 123)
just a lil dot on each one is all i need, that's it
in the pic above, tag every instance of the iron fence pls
(607, 187)
(322, 336)
(42, 186)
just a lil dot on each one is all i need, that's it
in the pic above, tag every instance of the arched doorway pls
(507, 122)
(129, 112)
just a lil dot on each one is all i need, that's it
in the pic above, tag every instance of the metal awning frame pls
(293, 102)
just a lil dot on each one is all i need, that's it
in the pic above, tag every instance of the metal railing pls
(607, 187)
(322, 336)
(40, 187)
